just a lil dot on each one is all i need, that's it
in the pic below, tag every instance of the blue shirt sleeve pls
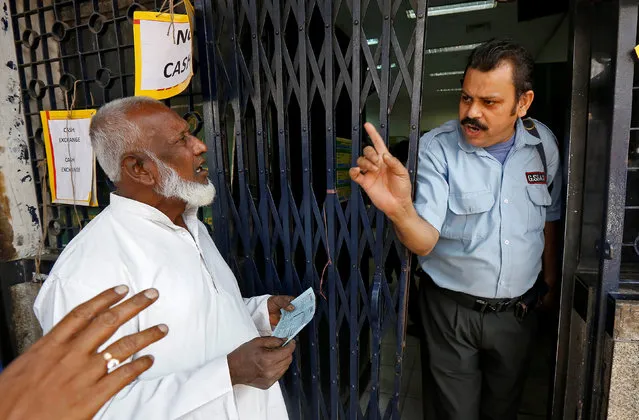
(554, 211)
(431, 194)
(555, 178)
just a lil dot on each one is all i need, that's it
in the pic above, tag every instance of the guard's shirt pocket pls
(466, 217)
(539, 200)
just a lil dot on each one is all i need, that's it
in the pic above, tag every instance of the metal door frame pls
(588, 291)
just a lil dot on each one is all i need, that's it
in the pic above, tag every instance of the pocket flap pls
(471, 203)
(539, 195)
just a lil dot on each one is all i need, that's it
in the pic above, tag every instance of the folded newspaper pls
(292, 322)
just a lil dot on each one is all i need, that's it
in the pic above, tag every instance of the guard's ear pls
(525, 100)
(140, 169)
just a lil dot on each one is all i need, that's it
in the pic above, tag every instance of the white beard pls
(172, 185)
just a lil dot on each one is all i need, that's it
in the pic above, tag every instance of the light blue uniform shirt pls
(490, 215)
(500, 151)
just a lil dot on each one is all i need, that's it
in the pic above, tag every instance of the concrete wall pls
(623, 395)
(20, 229)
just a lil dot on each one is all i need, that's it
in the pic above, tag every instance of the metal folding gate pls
(280, 97)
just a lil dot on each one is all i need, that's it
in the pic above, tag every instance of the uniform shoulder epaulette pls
(448, 127)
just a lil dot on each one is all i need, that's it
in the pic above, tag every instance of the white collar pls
(129, 207)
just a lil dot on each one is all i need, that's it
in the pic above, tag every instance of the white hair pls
(172, 185)
(113, 134)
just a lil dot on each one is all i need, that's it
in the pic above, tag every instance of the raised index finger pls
(378, 142)
(83, 314)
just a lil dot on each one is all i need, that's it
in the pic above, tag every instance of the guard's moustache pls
(472, 122)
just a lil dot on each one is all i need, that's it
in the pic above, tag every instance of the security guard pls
(487, 192)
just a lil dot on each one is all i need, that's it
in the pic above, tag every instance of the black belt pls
(479, 304)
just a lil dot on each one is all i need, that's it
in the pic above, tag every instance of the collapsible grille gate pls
(278, 82)
(288, 78)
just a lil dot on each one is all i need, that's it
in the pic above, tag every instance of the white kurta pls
(137, 245)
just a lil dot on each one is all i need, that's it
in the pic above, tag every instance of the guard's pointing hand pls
(383, 177)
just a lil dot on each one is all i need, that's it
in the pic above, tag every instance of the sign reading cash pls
(70, 157)
(163, 54)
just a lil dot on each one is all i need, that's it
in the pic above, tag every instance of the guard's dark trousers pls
(474, 363)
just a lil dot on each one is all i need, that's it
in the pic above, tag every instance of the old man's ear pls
(139, 169)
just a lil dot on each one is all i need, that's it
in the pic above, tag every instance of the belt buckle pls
(484, 306)
(501, 306)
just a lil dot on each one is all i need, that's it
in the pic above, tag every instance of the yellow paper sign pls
(70, 157)
(163, 54)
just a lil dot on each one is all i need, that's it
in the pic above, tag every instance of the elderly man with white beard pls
(218, 360)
